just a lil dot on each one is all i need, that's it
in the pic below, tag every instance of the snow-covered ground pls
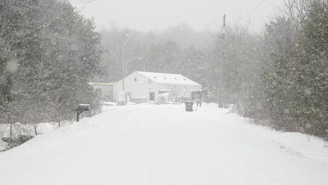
(163, 144)
(28, 129)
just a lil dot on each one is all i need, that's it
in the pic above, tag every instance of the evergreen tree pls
(279, 77)
(57, 52)
(314, 69)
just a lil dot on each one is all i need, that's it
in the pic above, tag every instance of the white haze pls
(145, 15)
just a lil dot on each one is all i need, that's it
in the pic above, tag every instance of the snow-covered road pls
(154, 145)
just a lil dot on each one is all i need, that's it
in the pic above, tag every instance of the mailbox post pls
(81, 108)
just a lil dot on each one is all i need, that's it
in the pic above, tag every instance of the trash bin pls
(189, 105)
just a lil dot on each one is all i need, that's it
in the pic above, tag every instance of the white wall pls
(153, 87)
(139, 89)
(116, 88)
(137, 85)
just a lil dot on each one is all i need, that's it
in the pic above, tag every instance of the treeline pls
(178, 49)
(278, 77)
(295, 82)
(48, 54)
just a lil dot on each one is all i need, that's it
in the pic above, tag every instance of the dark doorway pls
(152, 96)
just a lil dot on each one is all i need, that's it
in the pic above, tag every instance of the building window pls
(135, 79)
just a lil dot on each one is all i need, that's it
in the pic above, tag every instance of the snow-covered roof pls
(100, 84)
(166, 78)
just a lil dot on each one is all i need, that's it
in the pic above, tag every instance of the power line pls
(82, 1)
(250, 11)
(240, 8)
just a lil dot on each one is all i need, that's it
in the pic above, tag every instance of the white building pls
(157, 87)
(104, 89)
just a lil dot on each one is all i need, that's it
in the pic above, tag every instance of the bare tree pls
(296, 10)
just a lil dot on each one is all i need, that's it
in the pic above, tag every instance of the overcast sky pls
(148, 15)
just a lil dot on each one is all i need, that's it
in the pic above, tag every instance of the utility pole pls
(224, 25)
(224, 20)
(229, 75)
(123, 66)
(128, 36)
(220, 88)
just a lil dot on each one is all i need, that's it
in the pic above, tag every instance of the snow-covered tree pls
(56, 53)
(295, 79)
(314, 70)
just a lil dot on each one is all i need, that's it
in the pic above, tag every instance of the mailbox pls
(84, 107)
(81, 108)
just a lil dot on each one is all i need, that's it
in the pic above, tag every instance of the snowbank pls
(28, 129)
(109, 103)
(46, 127)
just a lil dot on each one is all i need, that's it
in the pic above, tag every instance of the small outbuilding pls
(105, 90)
